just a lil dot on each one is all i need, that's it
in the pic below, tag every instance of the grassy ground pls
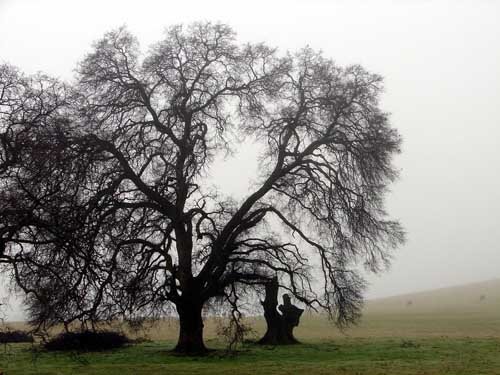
(345, 356)
(448, 331)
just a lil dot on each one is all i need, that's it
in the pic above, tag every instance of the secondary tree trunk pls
(279, 326)
(190, 329)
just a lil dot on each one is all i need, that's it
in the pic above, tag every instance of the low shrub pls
(15, 336)
(87, 341)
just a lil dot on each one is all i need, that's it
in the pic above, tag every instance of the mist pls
(440, 61)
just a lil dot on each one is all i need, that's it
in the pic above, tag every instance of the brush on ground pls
(87, 341)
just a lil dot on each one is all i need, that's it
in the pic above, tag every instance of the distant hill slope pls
(481, 297)
(471, 310)
(458, 311)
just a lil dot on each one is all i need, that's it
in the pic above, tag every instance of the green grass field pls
(344, 356)
(447, 331)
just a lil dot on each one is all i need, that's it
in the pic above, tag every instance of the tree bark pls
(190, 328)
(279, 326)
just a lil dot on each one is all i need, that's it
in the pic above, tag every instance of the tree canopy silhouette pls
(106, 211)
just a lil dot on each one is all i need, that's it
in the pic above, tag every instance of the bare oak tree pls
(106, 211)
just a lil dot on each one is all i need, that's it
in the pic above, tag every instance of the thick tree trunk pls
(279, 326)
(190, 329)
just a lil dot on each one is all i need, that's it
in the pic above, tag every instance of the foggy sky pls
(441, 63)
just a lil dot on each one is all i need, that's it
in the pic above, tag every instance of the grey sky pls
(441, 63)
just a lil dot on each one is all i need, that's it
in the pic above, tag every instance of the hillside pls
(482, 297)
(457, 311)
(471, 310)
(450, 312)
